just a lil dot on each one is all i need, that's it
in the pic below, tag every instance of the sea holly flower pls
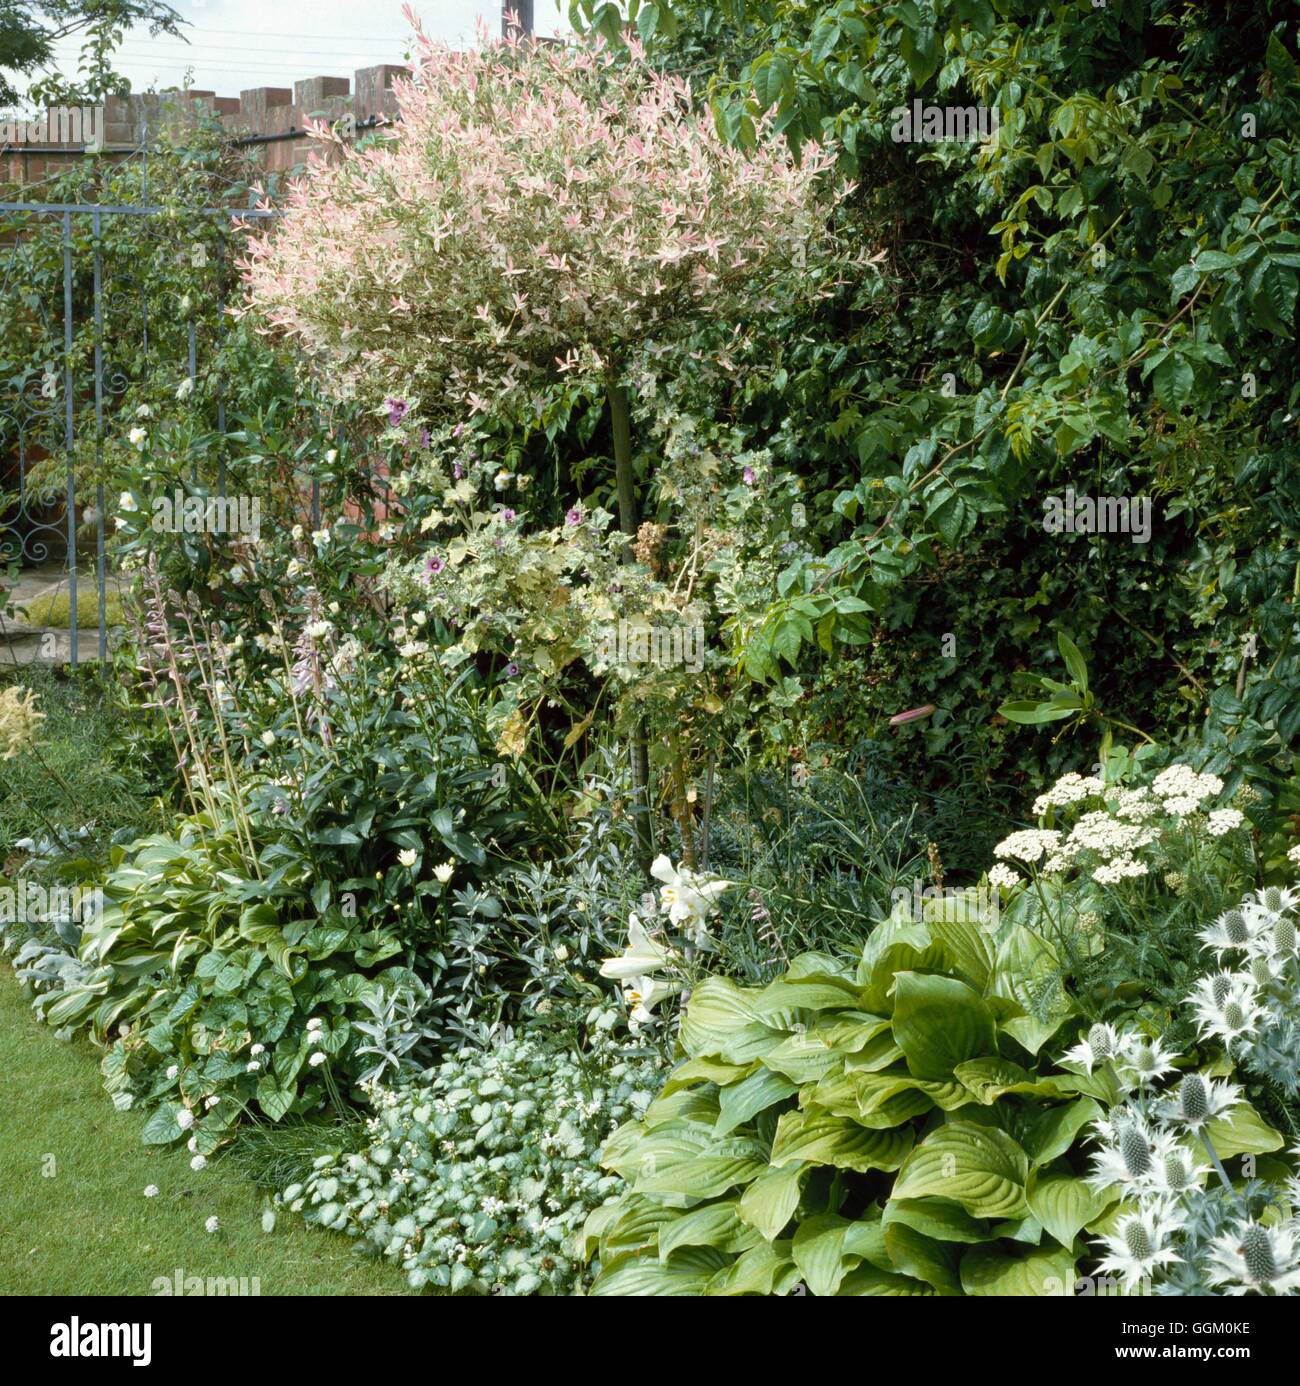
(1102, 1043)
(1201, 1100)
(1174, 1168)
(1254, 1259)
(1142, 1061)
(1226, 1011)
(1233, 929)
(1142, 1243)
(1127, 1154)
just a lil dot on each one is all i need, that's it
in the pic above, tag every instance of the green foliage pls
(1100, 294)
(478, 1175)
(884, 1128)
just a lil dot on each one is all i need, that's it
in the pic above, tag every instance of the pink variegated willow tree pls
(541, 209)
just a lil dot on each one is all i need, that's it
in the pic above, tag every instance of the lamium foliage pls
(878, 1128)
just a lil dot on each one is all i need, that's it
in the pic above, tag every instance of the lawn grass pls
(85, 1227)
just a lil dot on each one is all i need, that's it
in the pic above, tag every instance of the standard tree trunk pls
(620, 416)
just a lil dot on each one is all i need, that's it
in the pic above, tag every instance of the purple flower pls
(457, 470)
(507, 514)
(433, 566)
(511, 670)
(396, 410)
(424, 437)
(748, 476)
(458, 430)
(573, 517)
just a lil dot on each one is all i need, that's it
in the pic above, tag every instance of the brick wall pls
(263, 119)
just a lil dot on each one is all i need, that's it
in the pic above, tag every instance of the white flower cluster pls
(1182, 790)
(1109, 838)
(1069, 789)
(479, 1174)
(686, 897)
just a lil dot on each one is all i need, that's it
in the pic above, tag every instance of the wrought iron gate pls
(31, 421)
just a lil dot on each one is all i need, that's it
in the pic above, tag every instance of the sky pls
(235, 44)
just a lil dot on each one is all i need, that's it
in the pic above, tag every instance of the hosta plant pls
(883, 1127)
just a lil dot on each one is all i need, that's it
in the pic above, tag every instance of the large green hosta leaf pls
(763, 1270)
(988, 1270)
(939, 1023)
(819, 1138)
(688, 1272)
(979, 1167)
(827, 1247)
(770, 1201)
(715, 1225)
(720, 1024)
(1064, 1204)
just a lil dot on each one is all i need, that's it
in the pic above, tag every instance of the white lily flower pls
(641, 956)
(685, 895)
(643, 995)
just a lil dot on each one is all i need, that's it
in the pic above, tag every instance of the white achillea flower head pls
(212, 1225)
(1004, 876)
(151, 1190)
(185, 1118)
(1223, 821)
(1029, 844)
(1121, 869)
(1069, 789)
